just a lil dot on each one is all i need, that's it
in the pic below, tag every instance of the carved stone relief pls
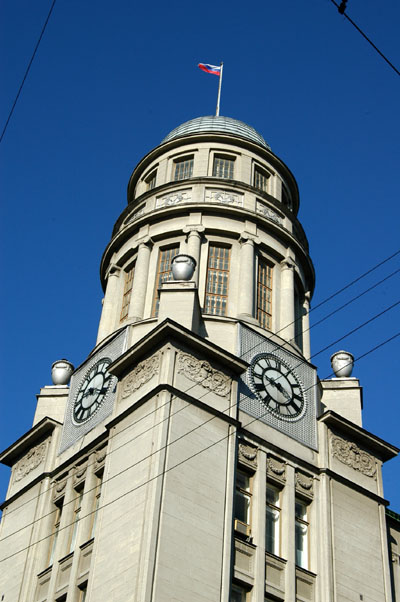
(79, 472)
(276, 468)
(268, 213)
(247, 455)
(143, 372)
(174, 198)
(137, 214)
(200, 371)
(224, 197)
(100, 456)
(304, 483)
(59, 487)
(350, 454)
(30, 461)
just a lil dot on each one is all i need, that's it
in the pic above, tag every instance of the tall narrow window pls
(96, 503)
(238, 594)
(242, 503)
(264, 294)
(301, 534)
(164, 273)
(261, 178)
(57, 520)
(82, 591)
(217, 280)
(183, 168)
(151, 180)
(286, 197)
(223, 167)
(77, 513)
(272, 520)
(127, 293)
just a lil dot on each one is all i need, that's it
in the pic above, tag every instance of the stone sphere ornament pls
(183, 267)
(342, 364)
(61, 372)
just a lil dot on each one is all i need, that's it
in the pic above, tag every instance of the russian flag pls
(210, 68)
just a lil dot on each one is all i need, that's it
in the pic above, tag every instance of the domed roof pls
(211, 123)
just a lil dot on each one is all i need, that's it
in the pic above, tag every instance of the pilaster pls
(286, 329)
(107, 320)
(140, 279)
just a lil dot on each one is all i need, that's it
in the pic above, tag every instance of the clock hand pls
(279, 387)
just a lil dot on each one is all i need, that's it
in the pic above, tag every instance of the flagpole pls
(219, 90)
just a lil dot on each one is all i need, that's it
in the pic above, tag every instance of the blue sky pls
(110, 80)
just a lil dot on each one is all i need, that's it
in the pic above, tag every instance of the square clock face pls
(278, 388)
(92, 392)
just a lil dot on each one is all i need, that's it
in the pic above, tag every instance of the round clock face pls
(277, 387)
(92, 391)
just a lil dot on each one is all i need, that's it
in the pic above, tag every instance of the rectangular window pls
(242, 503)
(264, 294)
(82, 592)
(183, 169)
(164, 273)
(151, 180)
(301, 534)
(57, 520)
(238, 594)
(272, 520)
(96, 503)
(127, 293)
(261, 178)
(223, 167)
(77, 513)
(217, 280)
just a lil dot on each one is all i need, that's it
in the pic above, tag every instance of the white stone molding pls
(269, 213)
(247, 455)
(350, 454)
(141, 375)
(224, 197)
(137, 214)
(79, 473)
(100, 457)
(276, 468)
(304, 483)
(30, 461)
(59, 488)
(174, 198)
(200, 371)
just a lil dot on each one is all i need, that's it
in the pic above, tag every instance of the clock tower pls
(194, 455)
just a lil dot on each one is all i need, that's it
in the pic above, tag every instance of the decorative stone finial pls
(61, 372)
(183, 267)
(342, 364)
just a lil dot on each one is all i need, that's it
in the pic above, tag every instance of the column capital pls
(193, 228)
(288, 264)
(113, 270)
(247, 237)
(145, 240)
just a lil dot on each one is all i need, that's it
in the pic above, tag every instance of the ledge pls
(10, 455)
(385, 451)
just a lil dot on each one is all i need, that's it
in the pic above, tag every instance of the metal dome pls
(211, 123)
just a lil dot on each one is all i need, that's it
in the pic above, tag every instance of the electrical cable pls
(219, 413)
(27, 71)
(163, 472)
(342, 12)
(251, 349)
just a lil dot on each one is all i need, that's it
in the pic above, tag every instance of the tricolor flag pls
(210, 68)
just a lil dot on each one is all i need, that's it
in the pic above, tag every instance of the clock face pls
(92, 391)
(277, 387)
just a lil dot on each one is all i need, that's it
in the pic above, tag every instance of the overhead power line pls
(258, 344)
(165, 471)
(342, 10)
(27, 70)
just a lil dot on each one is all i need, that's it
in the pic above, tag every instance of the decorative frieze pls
(174, 198)
(350, 454)
(247, 455)
(223, 197)
(137, 214)
(30, 461)
(269, 213)
(276, 468)
(200, 371)
(141, 375)
(304, 484)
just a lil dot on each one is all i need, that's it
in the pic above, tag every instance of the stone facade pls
(178, 492)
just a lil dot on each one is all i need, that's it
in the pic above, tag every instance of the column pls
(107, 320)
(246, 275)
(286, 329)
(194, 246)
(306, 326)
(140, 280)
(288, 533)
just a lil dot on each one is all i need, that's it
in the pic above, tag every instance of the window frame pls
(158, 279)
(241, 526)
(181, 161)
(59, 505)
(129, 274)
(263, 173)
(96, 502)
(302, 522)
(217, 156)
(260, 311)
(79, 492)
(277, 509)
(150, 179)
(218, 272)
